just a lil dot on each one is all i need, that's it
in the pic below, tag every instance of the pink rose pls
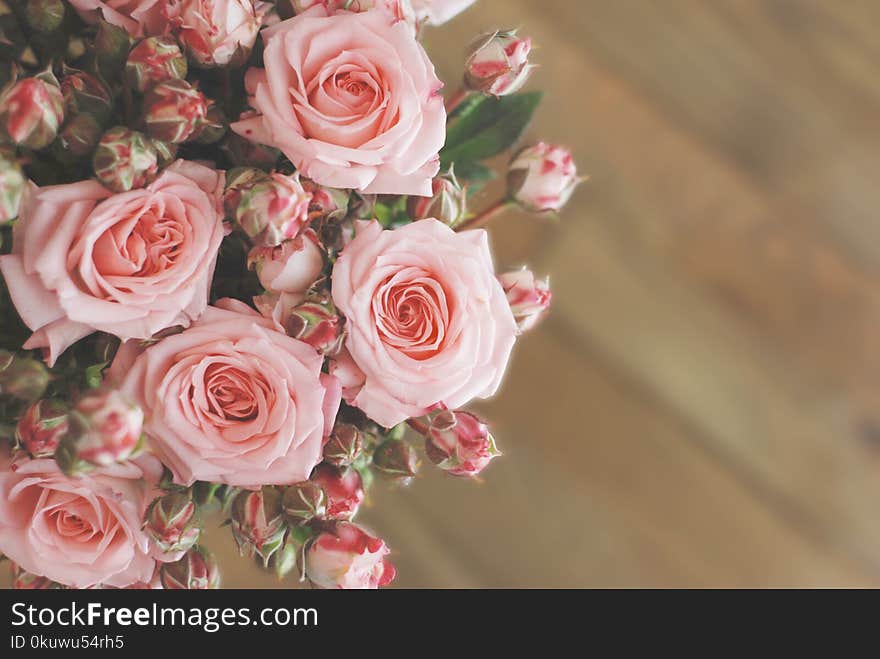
(291, 267)
(78, 531)
(129, 264)
(438, 12)
(348, 557)
(216, 32)
(542, 178)
(351, 99)
(529, 298)
(428, 323)
(231, 400)
(137, 17)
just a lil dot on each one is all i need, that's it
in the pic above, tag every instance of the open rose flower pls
(128, 264)
(216, 32)
(80, 531)
(437, 12)
(137, 17)
(351, 99)
(348, 557)
(231, 400)
(428, 322)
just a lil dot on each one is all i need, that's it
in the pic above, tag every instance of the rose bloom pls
(348, 557)
(79, 531)
(137, 17)
(428, 323)
(437, 12)
(231, 400)
(129, 264)
(351, 99)
(216, 32)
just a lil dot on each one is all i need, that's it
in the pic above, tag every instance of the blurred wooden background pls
(702, 408)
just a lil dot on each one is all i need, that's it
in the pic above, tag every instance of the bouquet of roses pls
(238, 264)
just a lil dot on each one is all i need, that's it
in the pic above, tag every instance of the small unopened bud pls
(12, 185)
(212, 127)
(396, 459)
(258, 522)
(303, 502)
(344, 445)
(85, 94)
(460, 443)
(42, 426)
(79, 136)
(291, 267)
(498, 63)
(173, 110)
(44, 15)
(447, 203)
(217, 33)
(542, 178)
(171, 522)
(32, 111)
(270, 208)
(154, 60)
(125, 159)
(196, 570)
(105, 428)
(343, 488)
(316, 323)
(348, 556)
(529, 298)
(22, 377)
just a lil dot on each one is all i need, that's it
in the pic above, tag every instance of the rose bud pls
(44, 15)
(343, 488)
(154, 60)
(84, 94)
(529, 298)
(104, 428)
(348, 557)
(212, 128)
(291, 267)
(32, 111)
(304, 502)
(270, 208)
(447, 203)
(344, 445)
(196, 570)
(125, 159)
(460, 443)
(41, 427)
(79, 136)
(23, 580)
(22, 377)
(173, 110)
(396, 459)
(498, 63)
(258, 522)
(12, 185)
(316, 322)
(217, 33)
(171, 522)
(542, 177)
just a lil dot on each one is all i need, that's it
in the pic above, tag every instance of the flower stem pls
(483, 218)
(418, 425)
(456, 99)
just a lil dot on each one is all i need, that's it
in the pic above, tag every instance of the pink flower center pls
(412, 313)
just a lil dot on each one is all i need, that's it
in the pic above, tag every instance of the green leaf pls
(487, 127)
(95, 374)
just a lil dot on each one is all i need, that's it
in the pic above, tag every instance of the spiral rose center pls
(412, 313)
(231, 394)
(71, 525)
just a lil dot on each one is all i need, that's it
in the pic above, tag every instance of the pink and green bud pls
(498, 63)
(347, 556)
(270, 208)
(32, 111)
(304, 502)
(529, 298)
(447, 203)
(291, 267)
(171, 522)
(397, 460)
(258, 524)
(217, 33)
(85, 94)
(41, 428)
(105, 428)
(344, 445)
(195, 570)
(542, 178)
(79, 136)
(342, 487)
(23, 580)
(44, 15)
(154, 60)
(173, 110)
(212, 128)
(21, 377)
(316, 322)
(125, 159)
(12, 185)
(460, 443)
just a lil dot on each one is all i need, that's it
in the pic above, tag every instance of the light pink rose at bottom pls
(348, 557)
(438, 12)
(79, 531)
(231, 400)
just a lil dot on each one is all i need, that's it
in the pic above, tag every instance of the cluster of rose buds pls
(217, 33)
